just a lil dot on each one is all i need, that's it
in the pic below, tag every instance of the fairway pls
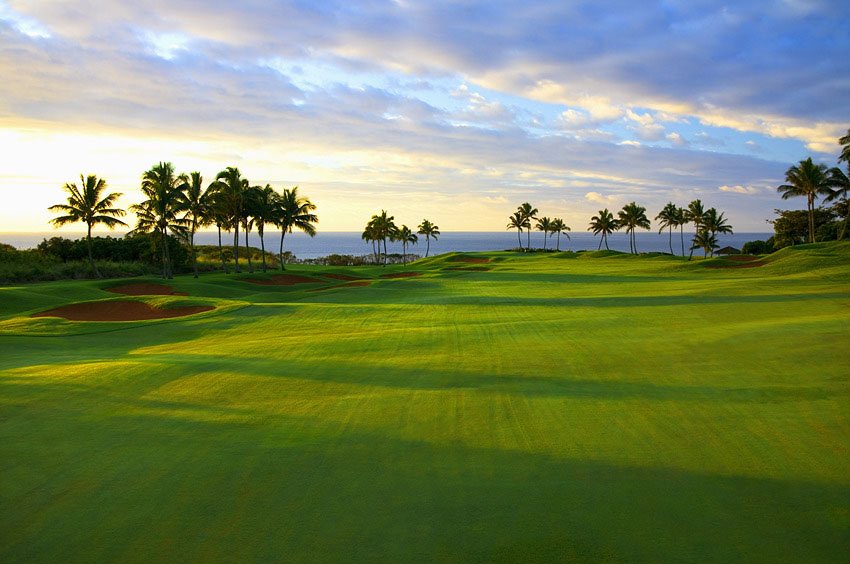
(476, 407)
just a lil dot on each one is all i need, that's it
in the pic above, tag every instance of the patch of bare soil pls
(119, 311)
(462, 258)
(401, 274)
(342, 277)
(283, 280)
(145, 290)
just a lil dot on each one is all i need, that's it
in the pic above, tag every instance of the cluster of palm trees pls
(381, 227)
(809, 180)
(521, 219)
(178, 205)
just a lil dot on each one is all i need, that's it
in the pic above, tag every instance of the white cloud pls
(738, 189)
(598, 198)
(677, 140)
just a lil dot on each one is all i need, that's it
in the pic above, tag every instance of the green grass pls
(589, 406)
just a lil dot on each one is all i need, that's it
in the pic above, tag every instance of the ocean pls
(350, 243)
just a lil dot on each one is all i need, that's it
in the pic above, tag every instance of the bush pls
(758, 247)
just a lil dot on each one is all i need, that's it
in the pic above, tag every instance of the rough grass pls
(607, 407)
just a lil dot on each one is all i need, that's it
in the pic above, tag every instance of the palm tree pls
(231, 189)
(695, 214)
(384, 228)
(518, 222)
(605, 224)
(845, 148)
(681, 221)
(668, 219)
(544, 224)
(194, 201)
(810, 180)
(217, 214)
(407, 237)
(265, 206)
(163, 189)
(704, 240)
(631, 217)
(715, 223)
(528, 213)
(370, 234)
(429, 230)
(249, 216)
(294, 212)
(90, 206)
(841, 185)
(558, 226)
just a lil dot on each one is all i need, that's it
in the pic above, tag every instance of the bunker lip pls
(401, 274)
(119, 311)
(145, 289)
(341, 276)
(463, 258)
(283, 280)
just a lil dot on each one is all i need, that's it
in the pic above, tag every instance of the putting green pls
(496, 406)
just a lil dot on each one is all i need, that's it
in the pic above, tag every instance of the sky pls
(453, 111)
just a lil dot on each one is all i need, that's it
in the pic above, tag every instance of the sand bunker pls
(401, 274)
(342, 277)
(119, 311)
(462, 258)
(283, 280)
(145, 290)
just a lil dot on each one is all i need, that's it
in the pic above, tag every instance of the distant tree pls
(88, 204)
(791, 227)
(544, 224)
(631, 217)
(695, 214)
(809, 180)
(371, 235)
(230, 188)
(668, 218)
(558, 226)
(706, 241)
(518, 222)
(681, 221)
(194, 202)
(715, 223)
(429, 231)
(249, 217)
(383, 228)
(407, 237)
(528, 213)
(265, 209)
(294, 212)
(845, 148)
(605, 224)
(758, 247)
(163, 189)
(840, 185)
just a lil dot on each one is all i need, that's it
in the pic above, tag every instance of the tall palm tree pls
(668, 219)
(429, 230)
(841, 186)
(249, 216)
(370, 234)
(681, 221)
(265, 206)
(406, 237)
(631, 217)
(704, 240)
(845, 148)
(605, 224)
(163, 188)
(528, 213)
(518, 222)
(810, 180)
(294, 212)
(217, 214)
(231, 189)
(715, 223)
(695, 214)
(558, 226)
(194, 202)
(384, 228)
(544, 224)
(91, 206)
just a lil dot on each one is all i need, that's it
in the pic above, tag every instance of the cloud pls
(738, 189)
(598, 198)
(677, 140)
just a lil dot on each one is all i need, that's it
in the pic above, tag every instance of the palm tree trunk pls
(545, 236)
(262, 247)
(192, 245)
(236, 246)
(169, 267)
(811, 218)
(164, 246)
(605, 237)
(671, 239)
(404, 253)
(280, 253)
(558, 242)
(602, 240)
(529, 239)
(247, 248)
(682, 233)
(385, 251)
(428, 245)
(519, 237)
(220, 249)
(91, 257)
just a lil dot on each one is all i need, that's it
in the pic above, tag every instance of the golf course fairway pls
(476, 407)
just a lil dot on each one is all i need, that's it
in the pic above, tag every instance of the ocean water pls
(350, 243)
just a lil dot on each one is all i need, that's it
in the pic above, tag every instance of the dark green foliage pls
(758, 247)
(791, 227)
